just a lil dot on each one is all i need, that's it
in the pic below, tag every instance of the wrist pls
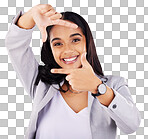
(31, 15)
(26, 21)
(106, 98)
(96, 83)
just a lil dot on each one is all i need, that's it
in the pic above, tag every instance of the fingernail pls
(52, 70)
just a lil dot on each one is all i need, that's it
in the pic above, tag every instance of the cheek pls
(56, 56)
(82, 48)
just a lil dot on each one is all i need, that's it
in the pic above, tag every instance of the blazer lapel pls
(50, 93)
(90, 101)
(90, 97)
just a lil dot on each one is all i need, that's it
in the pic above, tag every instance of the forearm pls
(17, 42)
(26, 21)
(127, 121)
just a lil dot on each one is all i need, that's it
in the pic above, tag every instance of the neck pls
(70, 93)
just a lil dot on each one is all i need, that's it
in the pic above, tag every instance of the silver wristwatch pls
(102, 88)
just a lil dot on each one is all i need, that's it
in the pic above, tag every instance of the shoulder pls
(116, 81)
(115, 78)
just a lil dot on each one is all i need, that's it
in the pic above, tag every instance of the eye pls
(75, 40)
(57, 44)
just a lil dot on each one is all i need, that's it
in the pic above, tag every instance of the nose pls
(68, 47)
(68, 50)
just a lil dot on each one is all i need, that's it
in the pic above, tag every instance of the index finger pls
(62, 71)
(64, 23)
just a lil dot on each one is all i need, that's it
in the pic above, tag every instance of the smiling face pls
(67, 45)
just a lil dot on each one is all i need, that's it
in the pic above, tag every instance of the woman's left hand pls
(81, 79)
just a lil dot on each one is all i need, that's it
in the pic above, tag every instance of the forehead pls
(63, 31)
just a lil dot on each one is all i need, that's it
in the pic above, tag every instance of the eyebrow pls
(70, 36)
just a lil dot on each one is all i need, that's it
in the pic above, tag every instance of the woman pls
(74, 99)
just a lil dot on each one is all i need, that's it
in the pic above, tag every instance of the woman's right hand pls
(44, 15)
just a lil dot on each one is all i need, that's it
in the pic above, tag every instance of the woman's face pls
(67, 45)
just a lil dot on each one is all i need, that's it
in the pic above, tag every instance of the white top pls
(58, 121)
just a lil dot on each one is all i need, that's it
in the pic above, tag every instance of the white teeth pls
(70, 59)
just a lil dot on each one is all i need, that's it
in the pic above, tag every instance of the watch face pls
(102, 88)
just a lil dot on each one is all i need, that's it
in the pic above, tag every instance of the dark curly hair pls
(47, 57)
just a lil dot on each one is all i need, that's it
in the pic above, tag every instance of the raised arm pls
(18, 39)
(17, 42)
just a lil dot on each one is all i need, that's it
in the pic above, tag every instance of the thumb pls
(84, 61)
(43, 33)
